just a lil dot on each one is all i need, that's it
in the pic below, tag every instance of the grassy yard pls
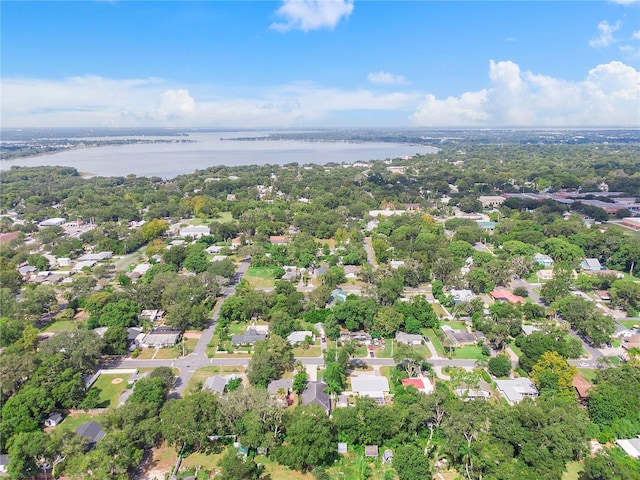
(515, 348)
(623, 230)
(176, 351)
(146, 353)
(347, 467)
(276, 471)
(469, 352)
(195, 460)
(588, 374)
(61, 325)
(456, 325)
(223, 217)
(313, 351)
(573, 470)
(70, 423)
(111, 387)
(630, 323)
(438, 310)
(261, 277)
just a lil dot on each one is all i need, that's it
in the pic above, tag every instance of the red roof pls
(506, 296)
(278, 240)
(415, 382)
(7, 237)
(582, 386)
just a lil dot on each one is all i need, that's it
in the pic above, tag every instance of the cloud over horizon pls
(607, 96)
(309, 15)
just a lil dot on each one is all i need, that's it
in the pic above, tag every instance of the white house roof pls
(300, 336)
(518, 388)
(369, 385)
(631, 446)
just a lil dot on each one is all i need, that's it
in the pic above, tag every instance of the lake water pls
(167, 160)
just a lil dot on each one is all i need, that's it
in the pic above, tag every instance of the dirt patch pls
(116, 381)
(160, 462)
(192, 334)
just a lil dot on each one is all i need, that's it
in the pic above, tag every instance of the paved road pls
(371, 256)
(593, 353)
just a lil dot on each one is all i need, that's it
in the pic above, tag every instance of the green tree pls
(500, 366)
(300, 382)
(553, 373)
(411, 463)
(310, 439)
(115, 340)
(235, 468)
(271, 358)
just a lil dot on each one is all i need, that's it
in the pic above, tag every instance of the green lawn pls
(629, 323)
(61, 325)
(573, 470)
(438, 310)
(109, 391)
(468, 352)
(261, 277)
(70, 423)
(456, 325)
(588, 374)
(223, 217)
(313, 351)
(208, 462)
(515, 348)
(623, 230)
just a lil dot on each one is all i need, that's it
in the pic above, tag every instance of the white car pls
(584, 364)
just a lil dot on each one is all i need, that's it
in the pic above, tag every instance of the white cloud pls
(386, 78)
(625, 2)
(309, 15)
(608, 96)
(605, 34)
(636, 35)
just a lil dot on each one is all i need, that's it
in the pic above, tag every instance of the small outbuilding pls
(53, 419)
(371, 451)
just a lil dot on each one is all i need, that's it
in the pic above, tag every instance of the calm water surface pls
(168, 160)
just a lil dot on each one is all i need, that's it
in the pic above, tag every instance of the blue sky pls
(324, 63)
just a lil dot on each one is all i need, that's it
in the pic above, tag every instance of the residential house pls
(195, 231)
(92, 431)
(4, 463)
(631, 446)
(151, 315)
(284, 384)
(467, 394)
(491, 201)
(249, 337)
(98, 257)
(582, 387)
(487, 226)
(544, 260)
(517, 389)
(53, 419)
(529, 329)
(299, 336)
(412, 207)
(372, 386)
(337, 295)
(631, 342)
(462, 295)
(409, 338)
(459, 337)
(160, 337)
(214, 249)
(342, 448)
(546, 274)
(351, 271)
(78, 267)
(236, 242)
(395, 264)
(506, 296)
(53, 222)
(422, 384)
(216, 384)
(278, 240)
(315, 394)
(591, 264)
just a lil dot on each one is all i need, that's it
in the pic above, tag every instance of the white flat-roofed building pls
(373, 386)
(53, 222)
(195, 231)
(517, 389)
